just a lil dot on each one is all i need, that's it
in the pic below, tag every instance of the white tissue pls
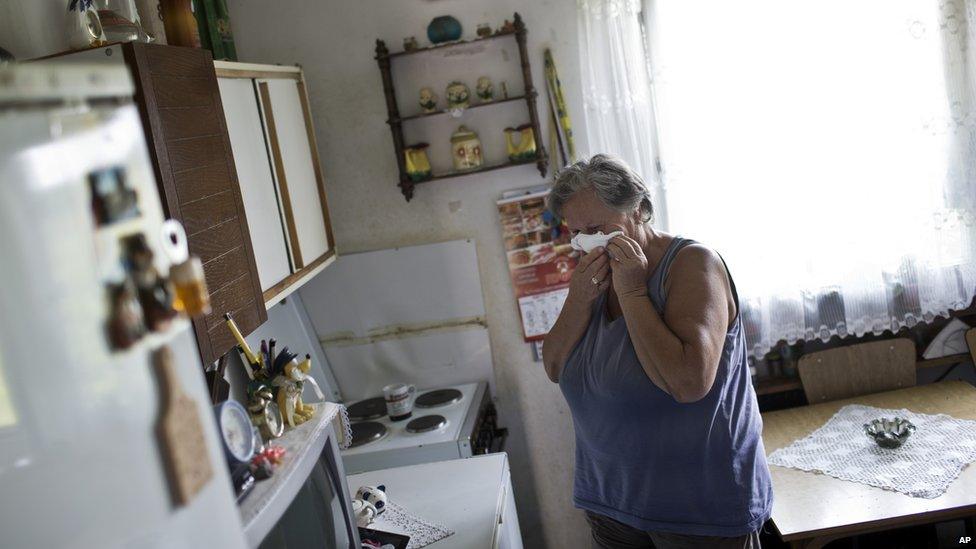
(586, 242)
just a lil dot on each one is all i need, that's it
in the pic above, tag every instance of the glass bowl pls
(889, 433)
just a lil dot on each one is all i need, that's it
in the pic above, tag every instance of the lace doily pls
(924, 466)
(422, 533)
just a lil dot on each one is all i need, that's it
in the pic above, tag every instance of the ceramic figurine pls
(374, 495)
(418, 165)
(484, 30)
(507, 27)
(290, 383)
(525, 148)
(485, 91)
(458, 95)
(444, 29)
(410, 43)
(465, 149)
(428, 100)
(84, 29)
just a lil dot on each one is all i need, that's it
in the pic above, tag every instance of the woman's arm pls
(575, 315)
(680, 352)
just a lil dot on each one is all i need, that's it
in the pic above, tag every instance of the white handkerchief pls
(586, 242)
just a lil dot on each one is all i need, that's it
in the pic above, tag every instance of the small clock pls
(236, 432)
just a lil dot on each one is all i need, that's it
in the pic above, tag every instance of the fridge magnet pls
(126, 323)
(444, 29)
(180, 431)
(522, 147)
(418, 165)
(428, 100)
(410, 43)
(465, 149)
(83, 28)
(484, 89)
(112, 198)
(191, 295)
(153, 290)
(458, 95)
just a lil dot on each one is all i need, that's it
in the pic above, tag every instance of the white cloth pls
(396, 519)
(829, 158)
(924, 466)
(586, 242)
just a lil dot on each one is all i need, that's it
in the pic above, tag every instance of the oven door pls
(320, 516)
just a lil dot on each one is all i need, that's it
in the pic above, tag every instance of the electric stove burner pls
(424, 424)
(440, 397)
(366, 432)
(364, 410)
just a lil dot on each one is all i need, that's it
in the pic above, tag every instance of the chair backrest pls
(857, 370)
(971, 341)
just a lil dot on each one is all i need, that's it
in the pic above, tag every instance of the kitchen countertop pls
(465, 495)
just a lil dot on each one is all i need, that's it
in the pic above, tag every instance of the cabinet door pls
(258, 190)
(296, 164)
(183, 117)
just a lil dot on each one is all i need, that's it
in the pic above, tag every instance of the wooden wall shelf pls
(453, 44)
(475, 106)
(395, 121)
(482, 169)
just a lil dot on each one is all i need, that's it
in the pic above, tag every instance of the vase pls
(444, 29)
(525, 148)
(418, 166)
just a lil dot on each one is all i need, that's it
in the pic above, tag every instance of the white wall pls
(334, 41)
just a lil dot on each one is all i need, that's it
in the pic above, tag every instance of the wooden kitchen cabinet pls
(273, 141)
(187, 135)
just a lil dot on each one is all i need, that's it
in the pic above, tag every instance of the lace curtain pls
(617, 105)
(826, 148)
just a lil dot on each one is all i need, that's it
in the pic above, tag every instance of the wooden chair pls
(971, 341)
(857, 370)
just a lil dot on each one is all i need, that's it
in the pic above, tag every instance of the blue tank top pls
(655, 464)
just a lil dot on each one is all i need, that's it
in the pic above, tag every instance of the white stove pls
(446, 423)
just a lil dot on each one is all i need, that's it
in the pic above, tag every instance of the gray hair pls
(615, 184)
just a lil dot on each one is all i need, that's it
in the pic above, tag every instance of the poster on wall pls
(540, 259)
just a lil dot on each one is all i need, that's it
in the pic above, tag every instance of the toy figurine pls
(507, 27)
(410, 43)
(428, 100)
(458, 95)
(485, 91)
(484, 30)
(290, 383)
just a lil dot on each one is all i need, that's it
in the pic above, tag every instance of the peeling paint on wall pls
(402, 331)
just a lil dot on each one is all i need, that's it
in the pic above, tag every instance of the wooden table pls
(810, 509)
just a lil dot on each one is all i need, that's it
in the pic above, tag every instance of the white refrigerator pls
(81, 460)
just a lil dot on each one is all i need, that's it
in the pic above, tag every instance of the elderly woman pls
(649, 352)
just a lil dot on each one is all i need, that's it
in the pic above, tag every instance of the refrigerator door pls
(80, 461)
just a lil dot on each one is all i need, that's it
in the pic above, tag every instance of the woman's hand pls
(629, 266)
(590, 278)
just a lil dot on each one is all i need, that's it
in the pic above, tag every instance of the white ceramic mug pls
(399, 400)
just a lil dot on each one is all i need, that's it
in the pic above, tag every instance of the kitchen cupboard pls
(186, 131)
(273, 142)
